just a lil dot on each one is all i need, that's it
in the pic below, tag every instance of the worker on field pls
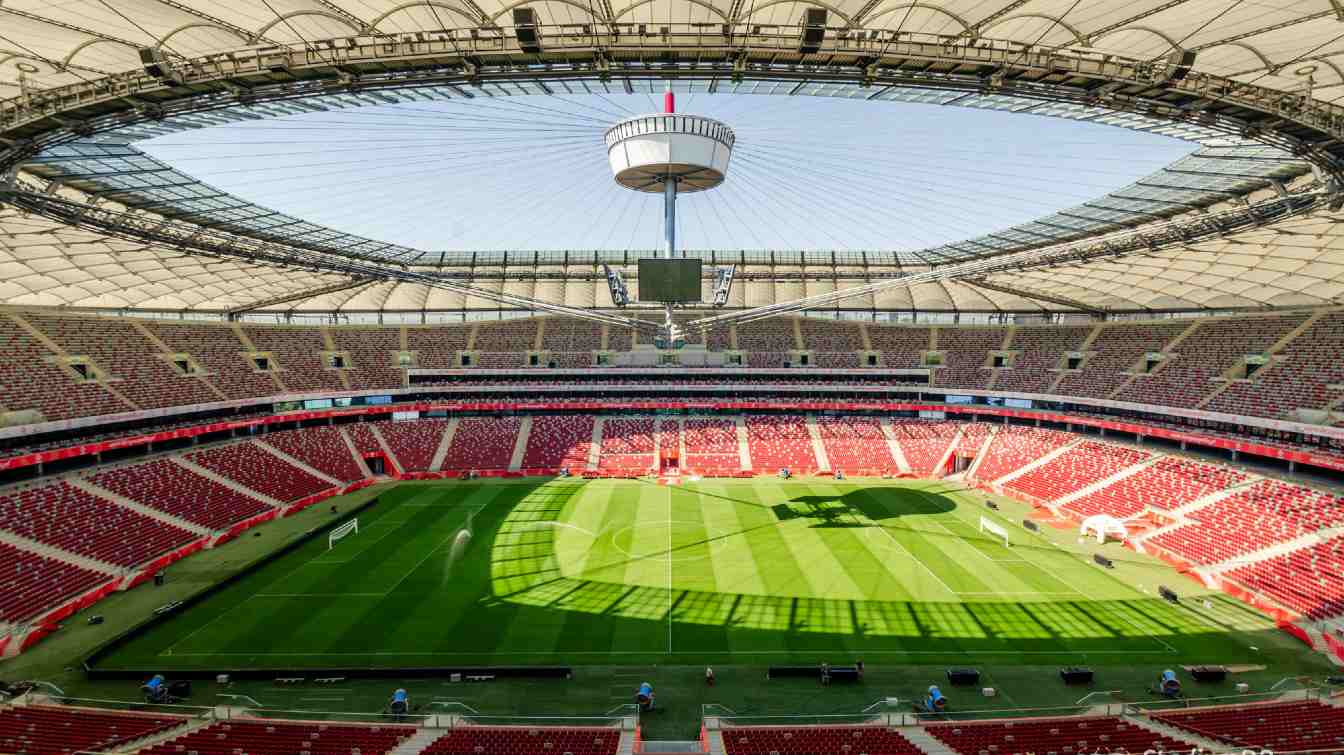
(644, 697)
(400, 704)
(156, 689)
(1169, 686)
(935, 702)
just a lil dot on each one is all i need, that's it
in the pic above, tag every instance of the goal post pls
(349, 528)
(994, 529)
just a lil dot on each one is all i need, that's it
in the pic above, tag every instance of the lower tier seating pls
(509, 740)
(31, 584)
(559, 442)
(855, 443)
(176, 490)
(236, 737)
(1309, 581)
(1014, 447)
(1083, 465)
(414, 443)
(780, 441)
(627, 444)
(49, 730)
(264, 472)
(64, 516)
(482, 443)
(322, 448)
(1052, 735)
(1167, 483)
(816, 740)
(711, 446)
(1280, 727)
(924, 443)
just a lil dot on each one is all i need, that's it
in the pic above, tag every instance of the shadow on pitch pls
(862, 508)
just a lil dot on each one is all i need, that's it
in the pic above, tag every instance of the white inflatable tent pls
(1103, 526)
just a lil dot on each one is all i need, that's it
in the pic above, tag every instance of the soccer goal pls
(349, 528)
(994, 529)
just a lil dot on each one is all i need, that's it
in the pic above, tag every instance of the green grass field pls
(734, 572)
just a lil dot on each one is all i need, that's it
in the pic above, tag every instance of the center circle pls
(681, 541)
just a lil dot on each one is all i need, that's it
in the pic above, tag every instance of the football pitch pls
(621, 572)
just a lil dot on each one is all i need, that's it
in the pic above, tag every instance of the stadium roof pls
(49, 49)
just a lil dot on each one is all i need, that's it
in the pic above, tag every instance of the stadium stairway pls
(383, 444)
(195, 468)
(440, 453)
(1129, 471)
(893, 445)
(281, 455)
(980, 453)
(359, 458)
(818, 446)
(595, 446)
(418, 741)
(926, 742)
(743, 447)
(88, 487)
(520, 444)
(951, 449)
(1173, 733)
(1049, 457)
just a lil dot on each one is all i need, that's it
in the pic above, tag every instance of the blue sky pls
(531, 172)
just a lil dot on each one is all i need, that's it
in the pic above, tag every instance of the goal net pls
(349, 528)
(994, 529)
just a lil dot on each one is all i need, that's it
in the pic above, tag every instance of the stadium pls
(589, 378)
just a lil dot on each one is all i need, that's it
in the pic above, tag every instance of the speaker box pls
(1076, 675)
(155, 63)
(960, 676)
(1103, 561)
(814, 30)
(1181, 62)
(1208, 673)
(525, 28)
(1168, 594)
(1034, 527)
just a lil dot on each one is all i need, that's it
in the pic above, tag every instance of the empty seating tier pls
(1168, 483)
(66, 517)
(49, 730)
(816, 740)
(1309, 581)
(856, 444)
(219, 352)
(414, 443)
(176, 490)
(777, 442)
(1042, 349)
(32, 382)
(711, 446)
(1013, 448)
(1280, 727)
(558, 442)
(1052, 735)
(236, 737)
(484, 443)
(297, 353)
(1083, 465)
(264, 472)
(31, 584)
(965, 355)
(322, 448)
(924, 444)
(372, 353)
(627, 444)
(509, 740)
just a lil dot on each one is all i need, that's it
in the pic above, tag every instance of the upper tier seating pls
(559, 442)
(141, 374)
(856, 444)
(1300, 378)
(1255, 517)
(1309, 581)
(514, 336)
(64, 516)
(51, 730)
(1052, 735)
(436, 347)
(262, 471)
(321, 448)
(1118, 349)
(777, 441)
(567, 334)
(174, 489)
(1042, 350)
(1075, 469)
(482, 443)
(219, 352)
(627, 444)
(816, 740)
(830, 335)
(901, 347)
(1168, 483)
(1014, 447)
(1278, 727)
(298, 356)
(521, 740)
(773, 335)
(965, 353)
(31, 584)
(924, 444)
(414, 443)
(1215, 347)
(240, 737)
(30, 382)
(372, 354)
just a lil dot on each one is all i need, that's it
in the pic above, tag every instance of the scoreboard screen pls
(674, 280)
